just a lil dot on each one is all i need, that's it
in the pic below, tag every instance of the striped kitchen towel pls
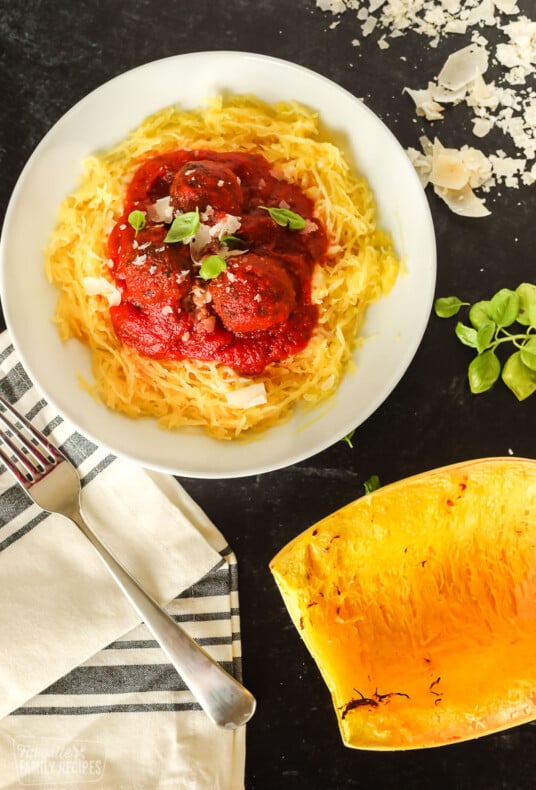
(86, 694)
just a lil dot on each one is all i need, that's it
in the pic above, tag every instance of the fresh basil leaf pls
(504, 307)
(447, 306)
(183, 227)
(231, 240)
(483, 372)
(479, 314)
(211, 267)
(484, 336)
(285, 217)
(466, 334)
(520, 379)
(527, 304)
(372, 484)
(137, 220)
(527, 352)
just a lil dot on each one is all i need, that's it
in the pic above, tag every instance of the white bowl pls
(395, 324)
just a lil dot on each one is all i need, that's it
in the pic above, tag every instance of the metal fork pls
(50, 479)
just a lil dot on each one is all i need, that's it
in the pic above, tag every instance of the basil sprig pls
(212, 266)
(492, 323)
(137, 220)
(183, 227)
(285, 217)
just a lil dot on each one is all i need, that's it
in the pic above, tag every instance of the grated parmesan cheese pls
(506, 104)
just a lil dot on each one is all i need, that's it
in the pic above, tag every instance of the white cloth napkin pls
(86, 694)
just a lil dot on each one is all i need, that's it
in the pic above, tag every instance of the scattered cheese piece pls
(463, 201)
(454, 174)
(462, 67)
(161, 210)
(100, 286)
(481, 126)
(247, 397)
(425, 104)
(226, 226)
(508, 104)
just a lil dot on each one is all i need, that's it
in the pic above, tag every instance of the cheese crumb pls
(100, 286)
(247, 397)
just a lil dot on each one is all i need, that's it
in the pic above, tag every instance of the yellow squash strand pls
(361, 267)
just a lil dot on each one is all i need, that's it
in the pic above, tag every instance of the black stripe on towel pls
(98, 710)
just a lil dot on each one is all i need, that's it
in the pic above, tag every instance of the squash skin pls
(418, 603)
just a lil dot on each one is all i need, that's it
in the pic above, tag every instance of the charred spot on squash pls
(372, 702)
(429, 587)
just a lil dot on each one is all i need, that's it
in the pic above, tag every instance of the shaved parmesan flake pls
(454, 173)
(247, 397)
(462, 67)
(463, 201)
(425, 104)
(99, 286)
(201, 240)
(448, 171)
(139, 260)
(161, 210)
(481, 126)
(226, 226)
(505, 105)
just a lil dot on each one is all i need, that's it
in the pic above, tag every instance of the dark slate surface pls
(54, 53)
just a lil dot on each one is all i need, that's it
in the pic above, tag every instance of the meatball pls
(150, 272)
(204, 183)
(253, 294)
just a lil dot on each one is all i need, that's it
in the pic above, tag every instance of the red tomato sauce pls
(257, 310)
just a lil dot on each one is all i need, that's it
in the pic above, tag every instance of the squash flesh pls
(418, 603)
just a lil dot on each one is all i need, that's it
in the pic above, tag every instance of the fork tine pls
(24, 478)
(30, 467)
(24, 450)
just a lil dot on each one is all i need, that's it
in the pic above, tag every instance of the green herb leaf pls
(137, 220)
(183, 227)
(348, 438)
(466, 334)
(371, 484)
(211, 267)
(231, 240)
(483, 372)
(488, 332)
(285, 217)
(518, 377)
(447, 306)
(479, 314)
(485, 335)
(504, 307)
(527, 353)
(527, 304)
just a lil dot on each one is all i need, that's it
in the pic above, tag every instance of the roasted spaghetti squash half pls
(418, 603)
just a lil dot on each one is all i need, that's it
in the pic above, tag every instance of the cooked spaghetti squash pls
(418, 603)
(360, 266)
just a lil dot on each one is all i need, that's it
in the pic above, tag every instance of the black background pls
(51, 55)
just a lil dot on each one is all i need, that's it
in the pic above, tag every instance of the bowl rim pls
(290, 453)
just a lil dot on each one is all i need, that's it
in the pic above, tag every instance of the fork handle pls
(226, 702)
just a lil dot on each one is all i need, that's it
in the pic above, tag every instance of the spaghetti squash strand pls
(361, 267)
